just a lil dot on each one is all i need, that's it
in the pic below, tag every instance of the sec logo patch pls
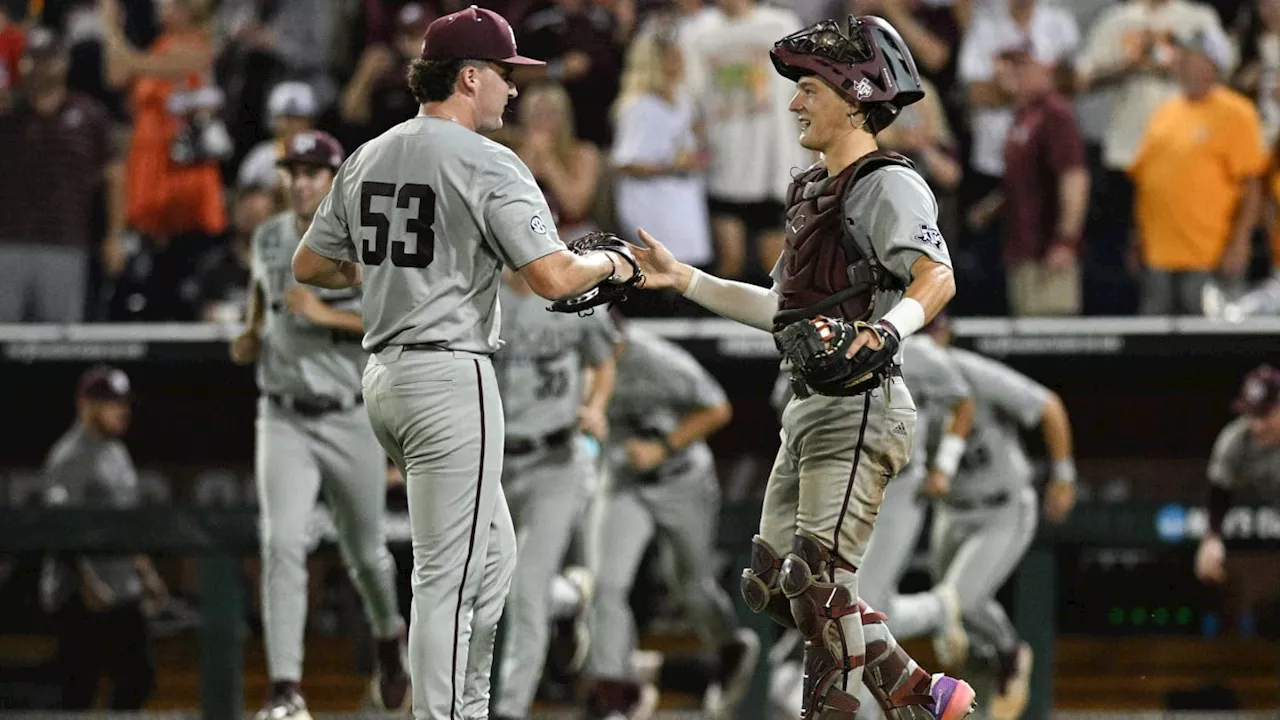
(537, 225)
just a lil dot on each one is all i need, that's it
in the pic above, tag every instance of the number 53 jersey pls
(540, 364)
(433, 211)
(299, 358)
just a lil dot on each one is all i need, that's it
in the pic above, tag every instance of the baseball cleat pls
(571, 637)
(1012, 684)
(286, 703)
(950, 642)
(952, 699)
(390, 689)
(737, 667)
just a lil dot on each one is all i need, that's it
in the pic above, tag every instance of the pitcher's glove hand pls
(817, 348)
(613, 288)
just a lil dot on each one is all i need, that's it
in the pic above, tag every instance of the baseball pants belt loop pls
(316, 407)
(524, 446)
(990, 501)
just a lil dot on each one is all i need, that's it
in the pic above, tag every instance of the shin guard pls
(760, 584)
(895, 680)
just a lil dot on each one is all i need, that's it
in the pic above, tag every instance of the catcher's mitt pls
(816, 349)
(613, 289)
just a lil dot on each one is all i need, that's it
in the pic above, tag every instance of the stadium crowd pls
(1090, 157)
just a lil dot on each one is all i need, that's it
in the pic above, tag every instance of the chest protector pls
(823, 270)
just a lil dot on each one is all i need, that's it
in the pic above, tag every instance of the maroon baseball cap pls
(313, 147)
(1260, 392)
(104, 382)
(473, 34)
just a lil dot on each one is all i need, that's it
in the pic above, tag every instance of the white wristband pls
(695, 277)
(950, 449)
(906, 317)
(1064, 470)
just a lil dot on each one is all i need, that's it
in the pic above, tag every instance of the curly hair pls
(434, 80)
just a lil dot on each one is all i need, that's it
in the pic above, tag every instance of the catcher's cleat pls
(1012, 684)
(952, 699)
(736, 668)
(285, 703)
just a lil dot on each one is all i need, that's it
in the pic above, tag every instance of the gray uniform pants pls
(439, 418)
(547, 492)
(976, 551)
(682, 508)
(297, 458)
(43, 283)
(889, 553)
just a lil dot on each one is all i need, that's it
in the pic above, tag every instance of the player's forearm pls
(1057, 439)
(932, 286)
(342, 320)
(946, 459)
(600, 385)
(1073, 203)
(962, 417)
(312, 268)
(563, 275)
(742, 302)
(699, 425)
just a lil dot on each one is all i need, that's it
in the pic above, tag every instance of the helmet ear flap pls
(881, 116)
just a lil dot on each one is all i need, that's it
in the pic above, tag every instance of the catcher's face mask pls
(828, 40)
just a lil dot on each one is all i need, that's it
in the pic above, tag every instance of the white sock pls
(565, 598)
(916, 615)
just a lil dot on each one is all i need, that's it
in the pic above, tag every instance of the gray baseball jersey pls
(83, 470)
(1007, 401)
(539, 366)
(298, 358)
(657, 383)
(432, 245)
(935, 380)
(1238, 463)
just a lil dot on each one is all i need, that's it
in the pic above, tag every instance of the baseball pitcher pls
(313, 436)
(864, 266)
(1245, 456)
(425, 216)
(984, 525)
(661, 481)
(556, 375)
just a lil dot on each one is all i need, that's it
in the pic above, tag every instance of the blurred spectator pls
(655, 154)
(1130, 48)
(272, 41)
(12, 40)
(222, 276)
(1197, 182)
(1045, 191)
(1258, 75)
(582, 42)
(751, 136)
(104, 599)
(57, 154)
(377, 97)
(174, 182)
(291, 109)
(923, 134)
(566, 167)
(1052, 34)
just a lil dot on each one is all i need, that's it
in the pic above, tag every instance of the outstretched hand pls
(660, 268)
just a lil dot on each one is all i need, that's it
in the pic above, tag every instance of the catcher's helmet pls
(868, 64)
(1260, 392)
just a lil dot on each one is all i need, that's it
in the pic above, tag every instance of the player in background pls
(984, 525)
(661, 481)
(425, 216)
(103, 601)
(1246, 456)
(313, 437)
(556, 374)
(864, 266)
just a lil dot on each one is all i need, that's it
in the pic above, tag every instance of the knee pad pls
(815, 601)
(760, 584)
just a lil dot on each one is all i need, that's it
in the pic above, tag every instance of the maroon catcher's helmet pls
(868, 64)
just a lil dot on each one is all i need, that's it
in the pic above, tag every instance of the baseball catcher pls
(614, 288)
(864, 266)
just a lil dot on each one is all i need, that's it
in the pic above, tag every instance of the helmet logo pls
(863, 89)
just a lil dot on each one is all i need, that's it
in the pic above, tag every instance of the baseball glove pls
(613, 289)
(816, 349)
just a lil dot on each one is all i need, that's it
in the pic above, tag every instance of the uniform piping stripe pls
(471, 546)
